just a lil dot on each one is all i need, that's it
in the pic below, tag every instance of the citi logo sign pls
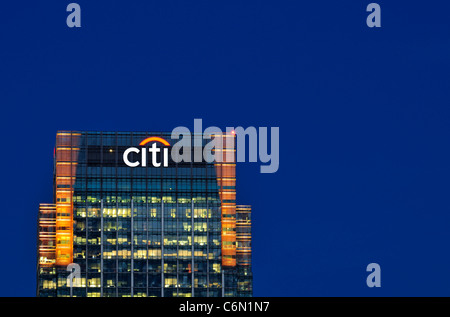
(153, 152)
(210, 145)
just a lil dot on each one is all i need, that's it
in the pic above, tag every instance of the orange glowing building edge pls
(226, 180)
(152, 139)
(66, 156)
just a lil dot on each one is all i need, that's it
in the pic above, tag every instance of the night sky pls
(364, 118)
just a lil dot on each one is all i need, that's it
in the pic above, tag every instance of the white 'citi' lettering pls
(153, 150)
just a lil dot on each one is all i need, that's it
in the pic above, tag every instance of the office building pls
(117, 230)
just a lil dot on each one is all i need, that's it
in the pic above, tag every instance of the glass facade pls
(144, 230)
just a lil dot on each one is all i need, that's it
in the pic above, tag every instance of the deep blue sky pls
(364, 117)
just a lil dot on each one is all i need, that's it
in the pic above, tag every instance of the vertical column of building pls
(66, 155)
(46, 250)
(243, 235)
(226, 179)
(47, 235)
(244, 250)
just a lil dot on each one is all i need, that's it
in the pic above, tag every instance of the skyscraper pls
(135, 223)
